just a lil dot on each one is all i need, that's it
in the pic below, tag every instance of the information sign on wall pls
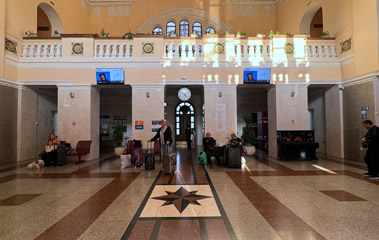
(155, 125)
(139, 125)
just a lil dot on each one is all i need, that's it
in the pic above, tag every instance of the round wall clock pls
(184, 94)
(77, 48)
(346, 45)
(148, 48)
(289, 48)
(219, 48)
(11, 46)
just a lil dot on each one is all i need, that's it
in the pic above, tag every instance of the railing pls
(43, 51)
(177, 49)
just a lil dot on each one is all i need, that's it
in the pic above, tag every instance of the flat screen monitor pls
(110, 75)
(257, 75)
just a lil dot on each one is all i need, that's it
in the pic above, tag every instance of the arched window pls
(210, 30)
(196, 28)
(184, 116)
(184, 28)
(157, 31)
(170, 28)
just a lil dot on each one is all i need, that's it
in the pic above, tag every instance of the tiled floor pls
(266, 199)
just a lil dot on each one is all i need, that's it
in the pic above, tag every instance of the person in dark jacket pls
(208, 145)
(164, 135)
(371, 141)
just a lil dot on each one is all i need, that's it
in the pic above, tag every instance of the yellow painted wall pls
(365, 37)
(22, 16)
(2, 36)
(142, 11)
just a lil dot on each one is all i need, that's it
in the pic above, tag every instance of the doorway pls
(184, 116)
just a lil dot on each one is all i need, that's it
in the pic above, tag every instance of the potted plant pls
(56, 34)
(212, 32)
(30, 34)
(241, 34)
(103, 33)
(173, 34)
(128, 35)
(118, 135)
(272, 33)
(260, 35)
(289, 34)
(248, 134)
(325, 34)
(195, 34)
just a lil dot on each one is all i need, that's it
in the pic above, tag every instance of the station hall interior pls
(191, 119)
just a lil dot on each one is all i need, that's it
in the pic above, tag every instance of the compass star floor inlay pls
(181, 201)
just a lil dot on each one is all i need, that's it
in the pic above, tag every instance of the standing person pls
(189, 133)
(164, 135)
(371, 141)
(208, 145)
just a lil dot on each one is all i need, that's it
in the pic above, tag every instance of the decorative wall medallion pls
(148, 48)
(10, 46)
(346, 45)
(219, 48)
(289, 48)
(77, 48)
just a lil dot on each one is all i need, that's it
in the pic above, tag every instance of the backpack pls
(202, 158)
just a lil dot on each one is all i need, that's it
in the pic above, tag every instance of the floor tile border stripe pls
(132, 223)
(203, 230)
(157, 226)
(228, 225)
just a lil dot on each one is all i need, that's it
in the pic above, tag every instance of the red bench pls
(82, 148)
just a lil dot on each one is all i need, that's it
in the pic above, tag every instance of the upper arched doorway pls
(184, 116)
(48, 21)
(312, 23)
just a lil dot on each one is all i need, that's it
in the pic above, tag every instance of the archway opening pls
(48, 21)
(312, 23)
(184, 117)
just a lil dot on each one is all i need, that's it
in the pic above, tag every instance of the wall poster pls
(220, 117)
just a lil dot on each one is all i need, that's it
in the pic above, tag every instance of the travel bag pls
(137, 157)
(234, 157)
(126, 160)
(149, 157)
(202, 158)
(169, 161)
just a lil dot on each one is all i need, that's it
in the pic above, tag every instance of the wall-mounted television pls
(110, 76)
(257, 75)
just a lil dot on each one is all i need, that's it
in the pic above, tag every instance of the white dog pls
(37, 164)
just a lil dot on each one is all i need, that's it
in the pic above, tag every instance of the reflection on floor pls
(266, 199)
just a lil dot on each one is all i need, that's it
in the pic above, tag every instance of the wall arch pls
(305, 24)
(183, 12)
(55, 20)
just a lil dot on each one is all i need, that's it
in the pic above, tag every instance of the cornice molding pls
(250, 7)
(108, 3)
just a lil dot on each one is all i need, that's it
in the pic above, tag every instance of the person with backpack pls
(208, 145)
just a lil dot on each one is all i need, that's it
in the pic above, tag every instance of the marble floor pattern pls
(265, 199)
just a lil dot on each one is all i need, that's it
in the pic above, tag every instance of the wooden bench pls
(82, 148)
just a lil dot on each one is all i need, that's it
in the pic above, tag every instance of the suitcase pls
(149, 157)
(137, 157)
(169, 162)
(234, 158)
(61, 155)
(126, 160)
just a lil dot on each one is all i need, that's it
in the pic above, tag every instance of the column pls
(334, 122)
(287, 110)
(79, 116)
(220, 111)
(147, 105)
(26, 124)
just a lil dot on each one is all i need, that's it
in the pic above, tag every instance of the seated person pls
(50, 154)
(208, 145)
(235, 141)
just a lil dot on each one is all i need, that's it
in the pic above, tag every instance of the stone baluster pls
(113, 51)
(193, 50)
(333, 52)
(25, 51)
(200, 49)
(107, 53)
(38, 52)
(44, 51)
(101, 51)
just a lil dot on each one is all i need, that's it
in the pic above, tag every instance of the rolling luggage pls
(169, 161)
(234, 157)
(149, 157)
(61, 155)
(137, 157)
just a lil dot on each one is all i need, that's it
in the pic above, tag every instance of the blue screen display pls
(110, 76)
(257, 75)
